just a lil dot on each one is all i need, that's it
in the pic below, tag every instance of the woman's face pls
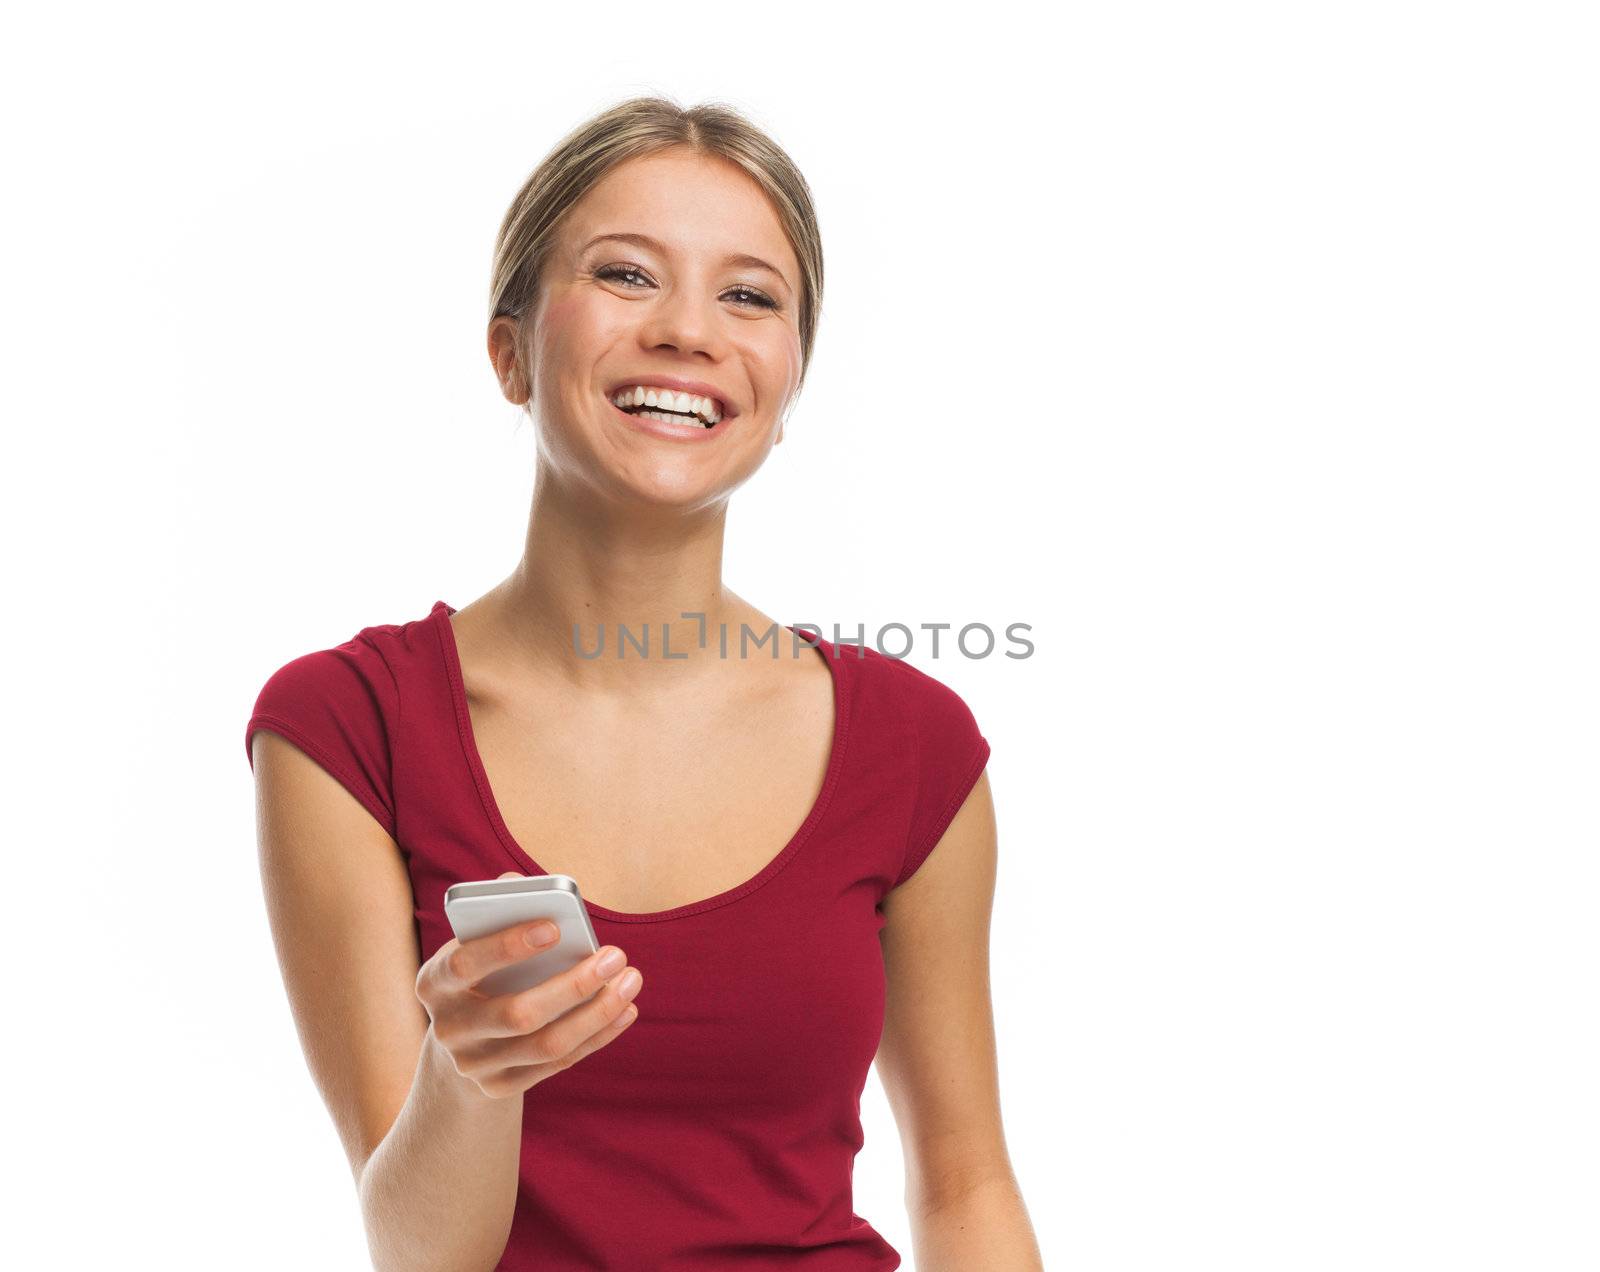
(674, 265)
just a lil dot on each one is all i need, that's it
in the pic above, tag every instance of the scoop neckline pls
(451, 656)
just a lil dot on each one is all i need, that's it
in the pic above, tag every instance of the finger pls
(469, 962)
(512, 1015)
(524, 1076)
(565, 1034)
(600, 1036)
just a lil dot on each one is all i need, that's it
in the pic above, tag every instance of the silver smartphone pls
(490, 905)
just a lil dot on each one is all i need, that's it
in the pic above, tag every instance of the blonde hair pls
(642, 126)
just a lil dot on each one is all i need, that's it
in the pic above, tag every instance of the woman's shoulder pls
(353, 687)
(341, 704)
(925, 731)
(367, 662)
(333, 672)
(925, 698)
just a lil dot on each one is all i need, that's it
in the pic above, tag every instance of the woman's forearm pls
(437, 1195)
(986, 1226)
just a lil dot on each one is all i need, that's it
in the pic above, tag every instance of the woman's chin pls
(666, 484)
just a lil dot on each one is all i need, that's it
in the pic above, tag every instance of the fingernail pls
(540, 935)
(610, 962)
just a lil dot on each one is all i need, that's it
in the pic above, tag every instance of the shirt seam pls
(392, 736)
(347, 777)
(916, 769)
(941, 823)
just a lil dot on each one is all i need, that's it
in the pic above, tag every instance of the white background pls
(1245, 350)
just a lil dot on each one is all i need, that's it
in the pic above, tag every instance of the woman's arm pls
(434, 1158)
(937, 1056)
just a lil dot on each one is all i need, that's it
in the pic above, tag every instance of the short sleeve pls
(339, 706)
(950, 754)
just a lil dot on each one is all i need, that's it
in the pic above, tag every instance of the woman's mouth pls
(668, 406)
(660, 416)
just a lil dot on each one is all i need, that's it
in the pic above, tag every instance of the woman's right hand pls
(506, 1043)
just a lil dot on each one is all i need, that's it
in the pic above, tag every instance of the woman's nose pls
(681, 321)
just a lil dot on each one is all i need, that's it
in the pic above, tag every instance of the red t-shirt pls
(720, 1130)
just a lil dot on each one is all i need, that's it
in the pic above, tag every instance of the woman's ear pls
(503, 336)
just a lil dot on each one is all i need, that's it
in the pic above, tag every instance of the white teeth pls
(670, 419)
(643, 395)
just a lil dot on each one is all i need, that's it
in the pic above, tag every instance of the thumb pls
(509, 874)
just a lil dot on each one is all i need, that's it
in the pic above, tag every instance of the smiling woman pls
(797, 850)
(683, 269)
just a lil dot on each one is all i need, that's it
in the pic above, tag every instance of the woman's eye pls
(760, 299)
(619, 271)
(745, 296)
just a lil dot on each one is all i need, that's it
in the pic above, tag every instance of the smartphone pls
(481, 907)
